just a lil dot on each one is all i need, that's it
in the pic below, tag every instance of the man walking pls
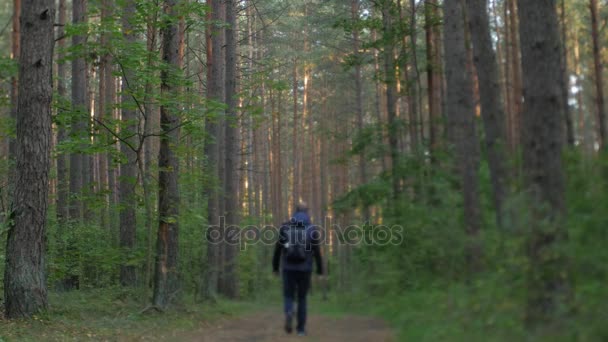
(299, 242)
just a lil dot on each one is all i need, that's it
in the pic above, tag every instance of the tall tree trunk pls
(25, 290)
(62, 167)
(580, 103)
(359, 99)
(128, 147)
(462, 134)
(151, 143)
(214, 93)
(230, 286)
(295, 146)
(107, 90)
(15, 51)
(413, 86)
(516, 90)
(79, 105)
(565, 76)
(492, 109)
(379, 108)
(599, 77)
(166, 282)
(391, 98)
(433, 63)
(542, 158)
(79, 131)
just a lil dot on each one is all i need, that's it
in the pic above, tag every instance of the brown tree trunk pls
(128, 147)
(391, 98)
(462, 134)
(25, 290)
(359, 100)
(230, 286)
(434, 71)
(78, 162)
(598, 73)
(151, 143)
(107, 92)
(296, 177)
(15, 51)
(79, 104)
(62, 167)
(565, 76)
(516, 90)
(166, 282)
(413, 86)
(214, 93)
(542, 158)
(492, 110)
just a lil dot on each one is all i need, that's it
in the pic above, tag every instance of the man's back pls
(300, 220)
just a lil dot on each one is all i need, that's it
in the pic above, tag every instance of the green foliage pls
(115, 313)
(422, 286)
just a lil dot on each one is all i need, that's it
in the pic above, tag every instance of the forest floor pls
(117, 315)
(268, 326)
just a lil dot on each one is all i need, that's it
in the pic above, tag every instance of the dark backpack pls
(295, 245)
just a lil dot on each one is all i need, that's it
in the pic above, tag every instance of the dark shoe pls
(301, 333)
(288, 326)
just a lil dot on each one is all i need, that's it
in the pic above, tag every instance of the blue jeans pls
(296, 281)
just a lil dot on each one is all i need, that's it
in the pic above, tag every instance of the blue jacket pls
(299, 219)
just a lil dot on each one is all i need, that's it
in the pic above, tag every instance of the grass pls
(112, 314)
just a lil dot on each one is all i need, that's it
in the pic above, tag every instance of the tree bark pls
(516, 90)
(492, 110)
(79, 131)
(433, 62)
(214, 93)
(25, 290)
(296, 177)
(542, 158)
(62, 167)
(391, 99)
(462, 134)
(565, 76)
(107, 90)
(166, 282)
(359, 99)
(598, 73)
(15, 50)
(230, 286)
(128, 148)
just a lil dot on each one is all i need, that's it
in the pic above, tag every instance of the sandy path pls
(268, 326)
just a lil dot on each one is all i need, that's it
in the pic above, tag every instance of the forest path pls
(268, 326)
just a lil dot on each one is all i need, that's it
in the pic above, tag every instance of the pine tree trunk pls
(598, 74)
(359, 100)
(25, 290)
(62, 167)
(296, 177)
(16, 51)
(391, 98)
(462, 134)
(548, 286)
(80, 130)
(166, 282)
(516, 90)
(107, 90)
(128, 147)
(492, 110)
(214, 86)
(151, 143)
(230, 286)
(565, 76)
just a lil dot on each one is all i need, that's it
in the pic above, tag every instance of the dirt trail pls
(268, 327)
